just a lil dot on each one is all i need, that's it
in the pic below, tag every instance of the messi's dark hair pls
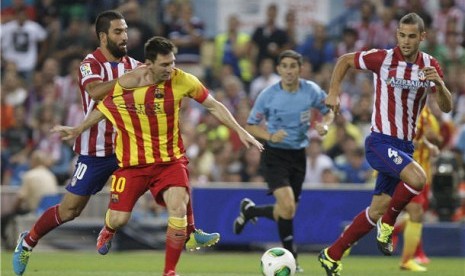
(158, 45)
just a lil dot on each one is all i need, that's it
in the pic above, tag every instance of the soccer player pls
(144, 106)
(97, 159)
(286, 107)
(402, 79)
(427, 133)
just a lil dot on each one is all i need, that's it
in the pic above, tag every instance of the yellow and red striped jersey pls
(426, 121)
(147, 119)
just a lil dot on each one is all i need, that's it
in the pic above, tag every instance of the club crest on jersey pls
(159, 93)
(85, 69)
(421, 76)
(398, 160)
(114, 198)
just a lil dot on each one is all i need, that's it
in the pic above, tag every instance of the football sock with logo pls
(286, 234)
(48, 221)
(359, 227)
(175, 239)
(412, 236)
(401, 197)
(261, 211)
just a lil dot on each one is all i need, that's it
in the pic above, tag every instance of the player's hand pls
(248, 140)
(138, 77)
(278, 136)
(322, 129)
(333, 102)
(431, 74)
(66, 132)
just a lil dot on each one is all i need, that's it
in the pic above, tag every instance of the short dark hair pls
(158, 45)
(290, 54)
(413, 19)
(102, 22)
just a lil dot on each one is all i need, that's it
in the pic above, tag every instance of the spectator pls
(385, 29)
(317, 48)
(266, 77)
(365, 25)
(250, 166)
(448, 12)
(138, 30)
(21, 41)
(17, 144)
(268, 39)
(349, 42)
(72, 43)
(37, 182)
(356, 170)
(317, 162)
(232, 48)
(13, 88)
(187, 33)
(432, 46)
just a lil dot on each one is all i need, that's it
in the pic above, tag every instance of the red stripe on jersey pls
(153, 123)
(140, 150)
(168, 106)
(404, 99)
(126, 155)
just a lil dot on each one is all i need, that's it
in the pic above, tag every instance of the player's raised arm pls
(222, 113)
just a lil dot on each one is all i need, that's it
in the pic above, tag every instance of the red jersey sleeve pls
(90, 70)
(370, 60)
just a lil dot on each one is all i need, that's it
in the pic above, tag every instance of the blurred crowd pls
(43, 42)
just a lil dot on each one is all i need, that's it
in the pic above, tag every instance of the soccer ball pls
(277, 261)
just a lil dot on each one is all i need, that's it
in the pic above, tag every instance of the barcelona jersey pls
(147, 119)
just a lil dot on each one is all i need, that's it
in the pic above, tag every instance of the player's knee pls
(287, 210)
(68, 214)
(117, 222)
(374, 214)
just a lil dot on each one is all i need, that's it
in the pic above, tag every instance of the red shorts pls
(422, 198)
(130, 183)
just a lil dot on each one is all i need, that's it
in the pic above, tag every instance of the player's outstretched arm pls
(343, 64)
(67, 132)
(222, 113)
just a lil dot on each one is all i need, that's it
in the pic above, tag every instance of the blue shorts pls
(91, 174)
(389, 156)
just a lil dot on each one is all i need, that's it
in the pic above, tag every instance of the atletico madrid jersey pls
(147, 119)
(400, 89)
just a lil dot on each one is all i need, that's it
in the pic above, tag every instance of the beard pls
(115, 50)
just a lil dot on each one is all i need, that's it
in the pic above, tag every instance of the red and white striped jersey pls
(98, 140)
(400, 89)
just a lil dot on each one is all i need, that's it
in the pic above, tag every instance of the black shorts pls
(284, 167)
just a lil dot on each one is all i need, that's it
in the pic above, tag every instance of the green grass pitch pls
(209, 263)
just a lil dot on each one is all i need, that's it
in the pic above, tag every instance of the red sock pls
(359, 227)
(190, 218)
(419, 252)
(398, 228)
(49, 220)
(401, 197)
(175, 239)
